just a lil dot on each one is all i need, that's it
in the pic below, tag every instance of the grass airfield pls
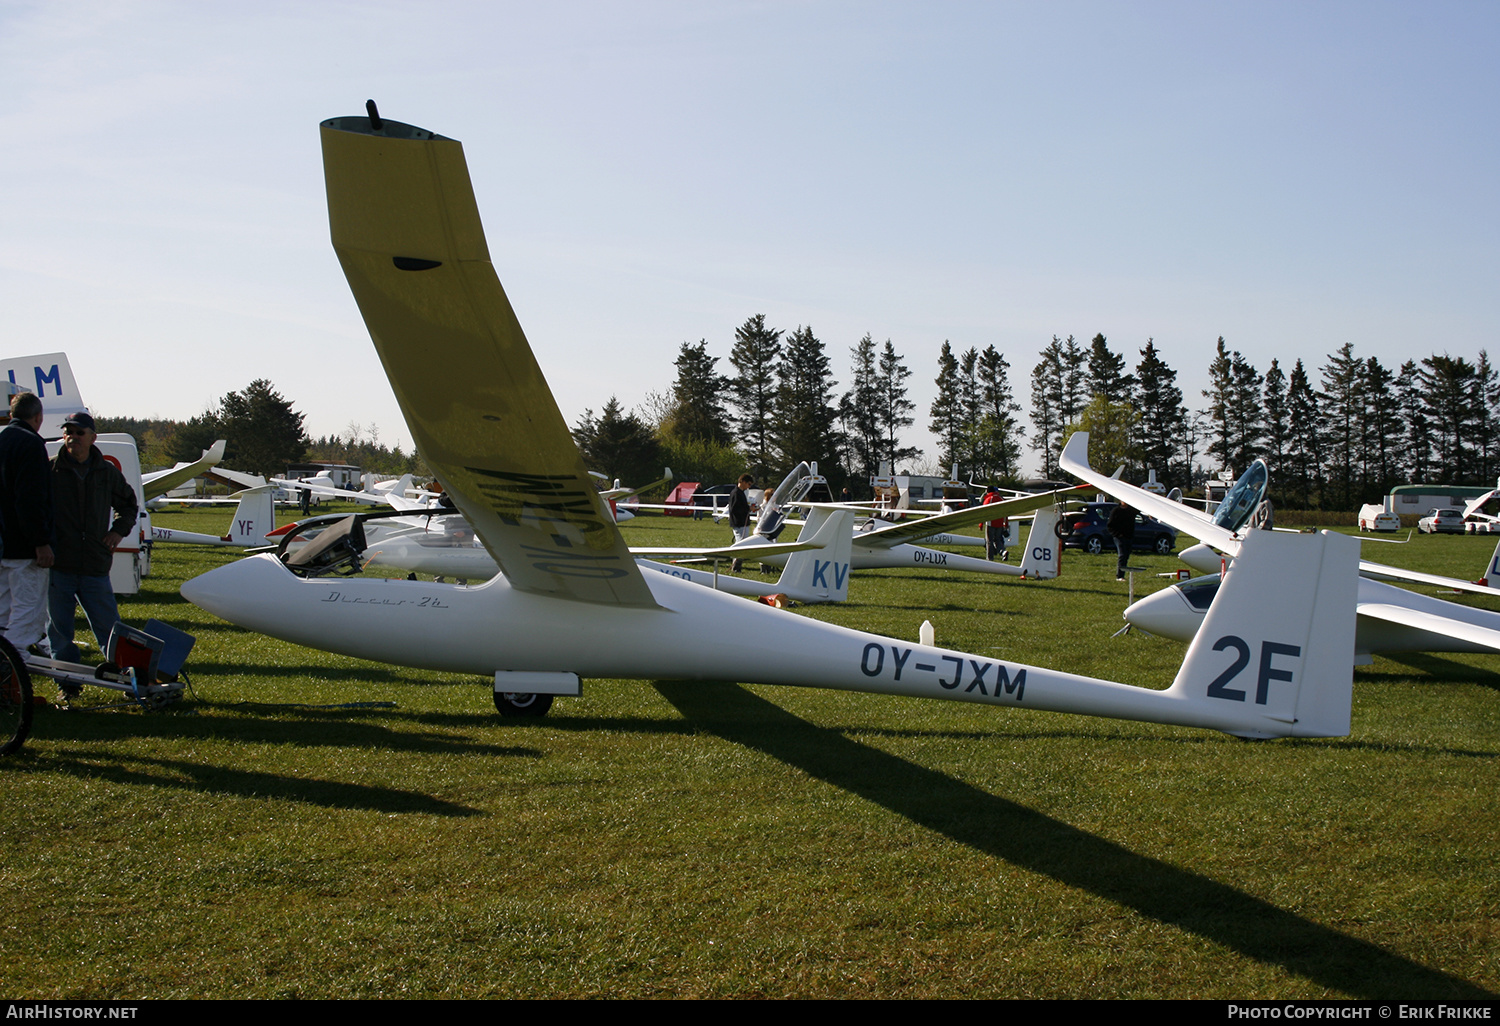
(265, 839)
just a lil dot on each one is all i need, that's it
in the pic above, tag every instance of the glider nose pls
(227, 591)
(1202, 559)
(1167, 614)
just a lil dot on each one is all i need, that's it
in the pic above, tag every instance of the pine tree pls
(1276, 423)
(1249, 423)
(1057, 385)
(1410, 401)
(697, 397)
(618, 444)
(1380, 430)
(1486, 432)
(196, 434)
(1304, 452)
(1450, 385)
(1234, 409)
(261, 430)
(894, 413)
(969, 404)
(947, 409)
(1342, 407)
(1107, 375)
(806, 415)
(997, 445)
(1220, 417)
(860, 409)
(1162, 414)
(753, 389)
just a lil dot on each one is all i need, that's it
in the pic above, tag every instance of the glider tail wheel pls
(15, 699)
(1062, 528)
(511, 703)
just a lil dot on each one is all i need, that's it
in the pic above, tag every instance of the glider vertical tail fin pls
(254, 516)
(822, 574)
(1043, 558)
(1274, 657)
(1491, 578)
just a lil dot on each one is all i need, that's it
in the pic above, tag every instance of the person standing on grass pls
(1121, 527)
(25, 525)
(995, 531)
(94, 508)
(739, 514)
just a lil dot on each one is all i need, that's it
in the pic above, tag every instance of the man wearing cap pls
(93, 508)
(25, 525)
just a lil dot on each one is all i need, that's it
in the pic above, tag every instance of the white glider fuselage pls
(492, 626)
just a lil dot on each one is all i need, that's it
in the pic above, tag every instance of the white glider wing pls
(1075, 460)
(1433, 624)
(1417, 577)
(406, 228)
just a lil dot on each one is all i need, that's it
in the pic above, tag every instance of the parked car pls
(1442, 521)
(1376, 517)
(1088, 529)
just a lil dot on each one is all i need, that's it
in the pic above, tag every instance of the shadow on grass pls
(1023, 837)
(301, 727)
(198, 778)
(930, 609)
(207, 673)
(1447, 671)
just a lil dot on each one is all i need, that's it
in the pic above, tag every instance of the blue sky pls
(1291, 176)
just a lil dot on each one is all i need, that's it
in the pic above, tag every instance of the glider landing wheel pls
(1094, 546)
(512, 703)
(15, 699)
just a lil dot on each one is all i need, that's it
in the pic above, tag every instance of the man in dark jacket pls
(739, 514)
(94, 507)
(25, 524)
(1121, 527)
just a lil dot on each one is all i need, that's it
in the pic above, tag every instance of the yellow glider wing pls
(406, 229)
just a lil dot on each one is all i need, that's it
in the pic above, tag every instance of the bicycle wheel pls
(15, 699)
